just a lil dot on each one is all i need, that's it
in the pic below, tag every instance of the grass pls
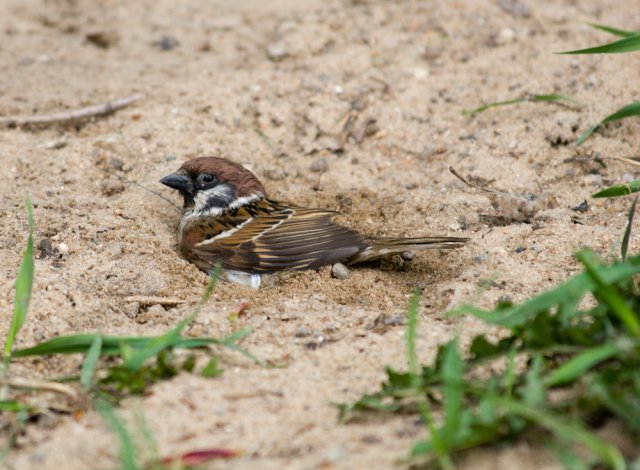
(551, 98)
(486, 394)
(630, 42)
(134, 364)
(23, 286)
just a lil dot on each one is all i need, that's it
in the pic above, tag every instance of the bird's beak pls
(180, 182)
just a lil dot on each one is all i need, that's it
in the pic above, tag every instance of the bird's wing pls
(276, 237)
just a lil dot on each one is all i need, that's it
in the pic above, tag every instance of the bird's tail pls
(383, 247)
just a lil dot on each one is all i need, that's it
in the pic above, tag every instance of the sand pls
(272, 85)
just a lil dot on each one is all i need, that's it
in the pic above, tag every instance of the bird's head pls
(213, 184)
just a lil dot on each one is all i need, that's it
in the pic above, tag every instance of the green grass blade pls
(619, 190)
(575, 367)
(91, 361)
(615, 31)
(627, 44)
(11, 441)
(553, 98)
(135, 358)
(81, 343)
(453, 381)
(627, 232)
(213, 281)
(128, 458)
(629, 110)
(549, 98)
(24, 285)
(442, 454)
(570, 431)
(231, 342)
(13, 406)
(495, 104)
(111, 345)
(568, 293)
(412, 330)
(533, 391)
(567, 458)
(142, 425)
(610, 294)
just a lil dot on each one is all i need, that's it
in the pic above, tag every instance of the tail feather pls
(383, 247)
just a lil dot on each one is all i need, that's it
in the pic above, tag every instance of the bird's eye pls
(206, 178)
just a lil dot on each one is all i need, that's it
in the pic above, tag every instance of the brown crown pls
(245, 182)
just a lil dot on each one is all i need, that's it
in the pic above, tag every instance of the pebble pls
(506, 36)
(276, 52)
(63, 248)
(340, 271)
(420, 73)
(327, 142)
(55, 144)
(166, 43)
(408, 255)
(582, 207)
(319, 165)
(515, 8)
(592, 179)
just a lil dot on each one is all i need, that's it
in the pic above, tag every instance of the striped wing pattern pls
(267, 236)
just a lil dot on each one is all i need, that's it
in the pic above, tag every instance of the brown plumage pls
(229, 219)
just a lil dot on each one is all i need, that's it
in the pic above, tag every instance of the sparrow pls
(229, 219)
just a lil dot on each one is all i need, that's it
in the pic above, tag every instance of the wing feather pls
(281, 237)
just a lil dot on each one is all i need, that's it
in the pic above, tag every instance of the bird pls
(228, 219)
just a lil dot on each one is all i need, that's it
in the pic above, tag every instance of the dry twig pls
(483, 188)
(630, 161)
(40, 385)
(151, 300)
(103, 109)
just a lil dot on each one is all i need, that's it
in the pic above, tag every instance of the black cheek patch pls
(225, 196)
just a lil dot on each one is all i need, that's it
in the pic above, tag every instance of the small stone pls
(166, 43)
(420, 73)
(340, 271)
(505, 36)
(384, 322)
(109, 144)
(582, 207)
(116, 164)
(319, 165)
(328, 142)
(55, 144)
(276, 52)
(102, 39)
(408, 255)
(479, 259)
(593, 179)
(627, 178)
(63, 248)
(131, 309)
(515, 8)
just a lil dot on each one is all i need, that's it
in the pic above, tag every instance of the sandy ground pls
(271, 84)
